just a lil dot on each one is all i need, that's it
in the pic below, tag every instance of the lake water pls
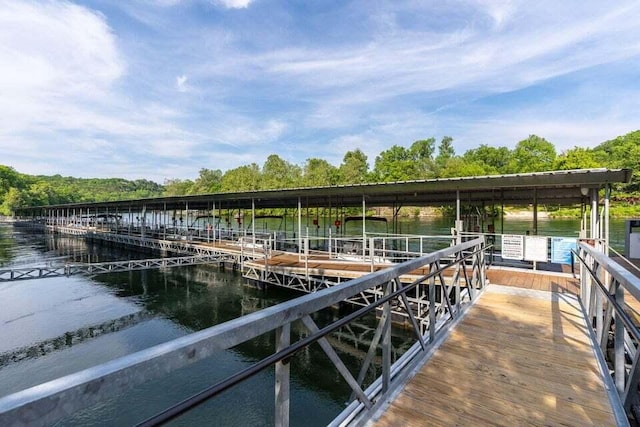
(56, 326)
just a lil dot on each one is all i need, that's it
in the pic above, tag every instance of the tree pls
(622, 152)
(421, 152)
(354, 168)
(459, 166)
(208, 181)
(13, 199)
(533, 154)
(576, 158)
(278, 173)
(177, 187)
(319, 172)
(243, 178)
(9, 178)
(395, 164)
(496, 158)
(445, 152)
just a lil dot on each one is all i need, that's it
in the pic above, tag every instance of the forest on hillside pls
(424, 159)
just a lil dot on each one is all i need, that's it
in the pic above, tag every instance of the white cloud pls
(56, 48)
(242, 131)
(235, 4)
(181, 83)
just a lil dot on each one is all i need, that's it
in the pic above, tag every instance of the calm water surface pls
(56, 326)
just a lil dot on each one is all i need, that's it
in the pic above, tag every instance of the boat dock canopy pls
(556, 187)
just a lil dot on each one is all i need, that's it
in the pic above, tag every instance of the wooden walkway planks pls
(537, 280)
(518, 358)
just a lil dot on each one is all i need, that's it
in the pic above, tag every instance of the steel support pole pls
(458, 224)
(283, 340)
(607, 196)
(535, 212)
(364, 228)
(299, 228)
(594, 214)
(386, 342)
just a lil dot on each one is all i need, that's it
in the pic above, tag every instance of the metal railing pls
(447, 300)
(604, 289)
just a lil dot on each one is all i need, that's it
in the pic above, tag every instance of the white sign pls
(512, 247)
(536, 248)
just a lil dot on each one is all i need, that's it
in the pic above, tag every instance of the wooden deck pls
(519, 357)
(321, 265)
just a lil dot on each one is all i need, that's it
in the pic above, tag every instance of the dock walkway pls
(519, 357)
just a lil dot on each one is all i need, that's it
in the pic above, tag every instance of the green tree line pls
(423, 159)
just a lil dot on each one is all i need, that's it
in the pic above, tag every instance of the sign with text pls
(536, 248)
(512, 247)
(561, 249)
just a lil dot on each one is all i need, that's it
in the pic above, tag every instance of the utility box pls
(632, 238)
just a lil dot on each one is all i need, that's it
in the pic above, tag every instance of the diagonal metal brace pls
(414, 323)
(333, 356)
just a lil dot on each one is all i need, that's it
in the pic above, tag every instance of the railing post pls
(306, 258)
(619, 363)
(283, 340)
(432, 305)
(386, 342)
(372, 253)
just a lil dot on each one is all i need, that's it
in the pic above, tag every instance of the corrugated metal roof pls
(554, 187)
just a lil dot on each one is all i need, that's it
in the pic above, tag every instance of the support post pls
(458, 225)
(364, 228)
(283, 340)
(386, 342)
(535, 212)
(299, 228)
(253, 223)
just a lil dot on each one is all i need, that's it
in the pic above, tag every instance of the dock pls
(490, 346)
(519, 357)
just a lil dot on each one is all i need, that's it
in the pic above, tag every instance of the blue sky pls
(159, 89)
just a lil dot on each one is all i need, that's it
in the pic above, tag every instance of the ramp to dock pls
(519, 357)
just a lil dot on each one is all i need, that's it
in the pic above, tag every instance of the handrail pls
(54, 400)
(603, 285)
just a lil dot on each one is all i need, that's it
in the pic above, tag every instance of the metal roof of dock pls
(566, 187)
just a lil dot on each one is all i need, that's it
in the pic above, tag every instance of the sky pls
(160, 89)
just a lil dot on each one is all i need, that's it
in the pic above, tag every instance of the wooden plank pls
(511, 404)
(513, 360)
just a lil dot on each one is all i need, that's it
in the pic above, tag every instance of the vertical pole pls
(372, 252)
(594, 214)
(619, 363)
(607, 195)
(364, 228)
(583, 220)
(299, 227)
(386, 342)
(306, 256)
(432, 305)
(458, 225)
(501, 215)
(215, 223)
(253, 223)
(283, 337)
(535, 212)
